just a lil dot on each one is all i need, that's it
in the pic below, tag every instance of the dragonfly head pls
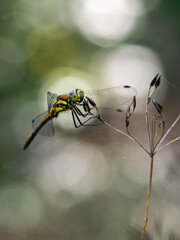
(77, 95)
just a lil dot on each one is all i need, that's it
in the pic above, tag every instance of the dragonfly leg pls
(80, 113)
(85, 103)
(75, 114)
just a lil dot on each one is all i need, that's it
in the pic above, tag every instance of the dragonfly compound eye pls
(77, 95)
(80, 95)
(73, 95)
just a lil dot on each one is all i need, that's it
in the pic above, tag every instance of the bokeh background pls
(85, 184)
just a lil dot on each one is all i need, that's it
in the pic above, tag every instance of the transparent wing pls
(111, 97)
(51, 99)
(168, 96)
(66, 122)
(47, 129)
(107, 101)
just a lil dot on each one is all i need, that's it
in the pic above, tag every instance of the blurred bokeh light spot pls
(66, 80)
(127, 65)
(75, 170)
(106, 21)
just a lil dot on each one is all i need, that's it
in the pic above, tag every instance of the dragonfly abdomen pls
(35, 131)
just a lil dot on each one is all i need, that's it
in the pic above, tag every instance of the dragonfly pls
(83, 105)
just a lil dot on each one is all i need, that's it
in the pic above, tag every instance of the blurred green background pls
(85, 184)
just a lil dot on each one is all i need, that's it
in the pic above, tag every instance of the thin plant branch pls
(167, 132)
(147, 118)
(148, 199)
(162, 134)
(174, 140)
(154, 84)
(136, 141)
(118, 130)
(155, 132)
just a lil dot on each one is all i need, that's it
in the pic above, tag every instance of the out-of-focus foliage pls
(88, 184)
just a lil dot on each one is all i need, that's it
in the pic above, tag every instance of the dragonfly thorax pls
(53, 112)
(77, 95)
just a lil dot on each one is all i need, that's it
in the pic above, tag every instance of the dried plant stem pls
(109, 125)
(148, 199)
(117, 130)
(136, 141)
(162, 134)
(147, 116)
(174, 140)
(153, 130)
(165, 135)
(126, 134)
(147, 125)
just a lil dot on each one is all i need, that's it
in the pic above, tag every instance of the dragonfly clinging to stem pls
(81, 107)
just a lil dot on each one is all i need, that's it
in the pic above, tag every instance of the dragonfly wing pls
(112, 97)
(66, 121)
(111, 115)
(47, 129)
(51, 99)
(107, 100)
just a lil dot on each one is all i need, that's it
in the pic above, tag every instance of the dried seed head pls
(148, 100)
(134, 103)
(128, 110)
(127, 122)
(158, 81)
(158, 107)
(154, 80)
